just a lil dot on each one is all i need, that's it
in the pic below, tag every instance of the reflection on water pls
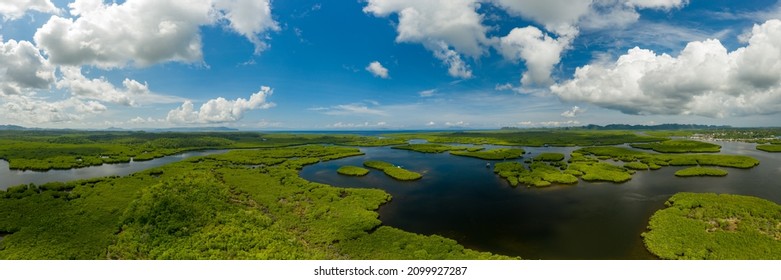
(10, 178)
(461, 199)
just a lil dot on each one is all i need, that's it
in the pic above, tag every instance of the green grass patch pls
(435, 148)
(350, 170)
(494, 154)
(701, 171)
(771, 148)
(549, 157)
(680, 146)
(636, 165)
(715, 227)
(601, 171)
(627, 155)
(395, 172)
(539, 174)
(388, 243)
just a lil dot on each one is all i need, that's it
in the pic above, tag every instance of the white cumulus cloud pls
(573, 112)
(221, 110)
(23, 69)
(15, 9)
(540, 52)
(30, 110)
(704, 79)
(250, 18)
(132, 93)
(145, 32)
(376, 68)
(658, 4)
(448, 28)
(564, 18)
(559, 16)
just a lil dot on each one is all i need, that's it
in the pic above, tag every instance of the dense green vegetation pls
(636, 165)
(715, 226)
(350, 170)
(43, 150)
(539, 174)
(680, 146)
(211, 207)
(435, 148)
(627, 155)
(549, 157)
(533, 138)
(600, 171)
(395, 172)
(387, 243)
(700, 171)
(493, 154)
(772, 148)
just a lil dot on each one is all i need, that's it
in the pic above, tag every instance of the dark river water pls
(459, 198)
(9, 178)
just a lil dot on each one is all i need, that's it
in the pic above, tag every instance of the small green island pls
(538, 174)
(395, 172)
(436, 148)
(701, 171)
(771, 148)
(494, 154)
(350, 170)
(715, 227)
(549, 157)
(679, 146)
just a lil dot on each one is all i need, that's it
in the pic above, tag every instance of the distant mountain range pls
(670, 126)
(12, 127)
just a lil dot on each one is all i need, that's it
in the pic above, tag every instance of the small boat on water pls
(487, 165)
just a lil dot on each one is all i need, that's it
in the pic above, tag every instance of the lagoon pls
(459, 198)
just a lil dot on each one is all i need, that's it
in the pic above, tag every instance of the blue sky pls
(388, 64)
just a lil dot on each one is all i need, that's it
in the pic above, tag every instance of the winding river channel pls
(10, 177)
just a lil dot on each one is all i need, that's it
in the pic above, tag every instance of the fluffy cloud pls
(28, 110)
(448, 28)
(144, 32)
(377, 69)
(540, 51)
(573, 112)
(15, 9)
(133, 92)
(249, 18)
(559, 16)
(220, 110)
(658, 4)
(22, 68)
(704, 79)
(564, 18)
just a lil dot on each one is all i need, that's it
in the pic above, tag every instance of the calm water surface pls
(10, 178)
(460, 198)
